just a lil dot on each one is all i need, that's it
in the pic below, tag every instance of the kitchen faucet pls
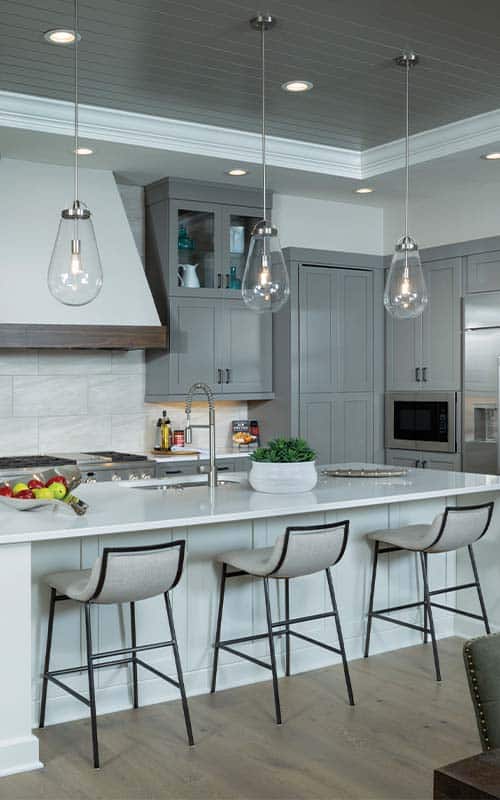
(188, 436)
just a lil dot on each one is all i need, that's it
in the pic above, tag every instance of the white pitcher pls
(188, 276)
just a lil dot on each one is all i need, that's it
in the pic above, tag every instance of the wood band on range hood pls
(86, 337)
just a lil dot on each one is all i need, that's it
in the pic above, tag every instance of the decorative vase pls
(283, 477)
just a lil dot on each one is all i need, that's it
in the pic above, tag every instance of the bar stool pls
(120, 575)
(300, 551)
(455, 528)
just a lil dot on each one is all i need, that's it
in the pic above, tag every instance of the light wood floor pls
(403, 726)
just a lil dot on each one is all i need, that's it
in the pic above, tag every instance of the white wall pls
(457, 214)
(328, 225)
(31, 198)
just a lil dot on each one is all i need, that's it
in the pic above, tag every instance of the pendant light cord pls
(263, 86)
(407, 145)
(75, 60)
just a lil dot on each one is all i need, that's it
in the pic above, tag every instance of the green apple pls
(43, 494)
(57, 490)
(20, 487)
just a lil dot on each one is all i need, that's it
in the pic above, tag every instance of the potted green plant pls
(285, 466)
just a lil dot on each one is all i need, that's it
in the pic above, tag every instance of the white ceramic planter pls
(283, 478)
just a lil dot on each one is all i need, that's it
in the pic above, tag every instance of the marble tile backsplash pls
(62, 401)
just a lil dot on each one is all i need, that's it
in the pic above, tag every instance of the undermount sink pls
(164, 487)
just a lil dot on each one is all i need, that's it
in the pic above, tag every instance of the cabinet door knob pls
(417, 463)
(219, 376)
(424, 464)
(228, 376)
(424, 374)
(417, 374)
(219, 280)
(227, 280)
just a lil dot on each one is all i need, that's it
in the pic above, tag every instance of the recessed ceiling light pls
(237, 172)
(61, 36)
(491, 156)
(83, 151)
(297, 86)
(364, 190)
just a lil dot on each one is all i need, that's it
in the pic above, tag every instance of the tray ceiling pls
(197, 60)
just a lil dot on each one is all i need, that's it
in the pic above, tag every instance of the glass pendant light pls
(75, 272)
(405, 294)
(265, 285)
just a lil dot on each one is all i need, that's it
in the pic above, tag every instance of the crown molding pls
(141, 130)
(456, 137)
(108, 124)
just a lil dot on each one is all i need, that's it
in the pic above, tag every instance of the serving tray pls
(365, 473)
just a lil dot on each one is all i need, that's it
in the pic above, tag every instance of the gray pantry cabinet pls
(213, 336)
(328, 352)
(424, 353)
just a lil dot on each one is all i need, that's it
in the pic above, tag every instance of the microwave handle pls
(417, 374)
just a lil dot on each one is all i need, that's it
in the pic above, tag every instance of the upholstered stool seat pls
(449, 531)
(120, 575)
(298, 552)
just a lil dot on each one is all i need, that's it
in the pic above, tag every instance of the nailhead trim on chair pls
(473, 679)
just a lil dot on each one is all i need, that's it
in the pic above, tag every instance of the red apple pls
(57, 479)
(6, 491)
(25, 494)
(34, 483)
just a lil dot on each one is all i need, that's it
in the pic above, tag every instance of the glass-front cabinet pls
(208, 247)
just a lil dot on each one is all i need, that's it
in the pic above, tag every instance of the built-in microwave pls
(422, 421)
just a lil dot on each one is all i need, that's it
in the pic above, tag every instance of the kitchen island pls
(34, 544)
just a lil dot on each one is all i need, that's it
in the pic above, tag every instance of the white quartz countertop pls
(126, 507)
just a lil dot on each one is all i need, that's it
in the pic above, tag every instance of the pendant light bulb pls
(75, 273)
(405, 295)
(265, 285)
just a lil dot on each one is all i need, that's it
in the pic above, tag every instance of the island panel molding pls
(88, 337)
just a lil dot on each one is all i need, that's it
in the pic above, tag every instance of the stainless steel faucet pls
(203, 387)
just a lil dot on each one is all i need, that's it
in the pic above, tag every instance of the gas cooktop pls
(112, 455)
(20, 462)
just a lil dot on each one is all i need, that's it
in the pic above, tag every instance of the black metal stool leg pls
(272, 653)
(287, 626)
(218, 628)
(134, 662)
(427, 601)
(46, 665)
(426, 620)
(340, 637)
(372, 595)
(479, 590)
(90, 667)
(180, 678)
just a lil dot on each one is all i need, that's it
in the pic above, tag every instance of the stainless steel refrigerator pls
(480, 446)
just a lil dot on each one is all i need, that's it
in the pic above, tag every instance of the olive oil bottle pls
(166, 432)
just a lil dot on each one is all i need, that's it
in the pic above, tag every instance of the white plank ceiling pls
(198, 60)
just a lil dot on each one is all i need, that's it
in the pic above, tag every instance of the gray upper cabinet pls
(336, 330)
(248, 357)
(483, 272)
(214, 338)
(424, 353)
(220, 343)
(441, 325)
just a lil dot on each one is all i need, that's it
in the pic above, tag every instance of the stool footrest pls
(458, 611)
(420, 628)
(316, 641)
(136, 649)
(310, 618)
(453, 588)
(68, 689)
(398, 608)
(257, 661)
(156, 672)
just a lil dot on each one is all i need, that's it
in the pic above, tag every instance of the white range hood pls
(31, 198)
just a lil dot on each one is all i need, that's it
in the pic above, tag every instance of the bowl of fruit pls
(53, 488)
